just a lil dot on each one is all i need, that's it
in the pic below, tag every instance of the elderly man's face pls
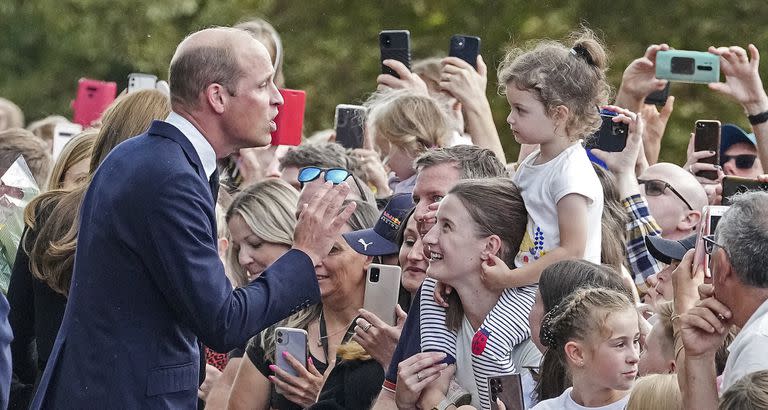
(667, 208)
(251, 110)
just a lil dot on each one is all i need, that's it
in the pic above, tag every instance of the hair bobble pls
(581, 51)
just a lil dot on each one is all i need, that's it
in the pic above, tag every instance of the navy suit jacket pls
(148, 282)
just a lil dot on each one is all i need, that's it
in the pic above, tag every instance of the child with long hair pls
(594, 335)
(553, 93)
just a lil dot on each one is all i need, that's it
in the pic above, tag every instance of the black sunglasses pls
(743, 161)
(656, 187)
(334, 175)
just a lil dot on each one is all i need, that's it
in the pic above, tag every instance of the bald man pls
(675, 199)
(148, 284)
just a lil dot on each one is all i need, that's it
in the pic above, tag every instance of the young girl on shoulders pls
(594, 336)
(554, 92)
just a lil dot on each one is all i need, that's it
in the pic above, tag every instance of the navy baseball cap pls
(380, 240)
(731, 134)
(667, 250)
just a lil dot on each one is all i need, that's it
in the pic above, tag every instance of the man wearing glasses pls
(738, 153)
(738, 296)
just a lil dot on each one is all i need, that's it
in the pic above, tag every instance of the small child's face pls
(528, 117)
(612, 363)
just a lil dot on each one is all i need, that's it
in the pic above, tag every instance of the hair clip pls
(581, 51)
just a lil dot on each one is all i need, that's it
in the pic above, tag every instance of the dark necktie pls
(214, 182)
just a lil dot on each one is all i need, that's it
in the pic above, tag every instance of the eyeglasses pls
(710, 244)
(655, 187)
(743, 161)
(334, 175)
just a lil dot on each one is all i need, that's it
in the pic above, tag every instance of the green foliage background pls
(332, 50)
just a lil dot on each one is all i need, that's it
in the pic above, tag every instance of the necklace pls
(322, 341)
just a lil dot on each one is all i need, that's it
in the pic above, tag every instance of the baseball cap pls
(731, 134)
(380, 240)
(667, 250)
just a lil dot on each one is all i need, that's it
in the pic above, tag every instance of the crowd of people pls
(170, 243)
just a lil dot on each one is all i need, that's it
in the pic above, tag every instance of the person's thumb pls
(401, 316)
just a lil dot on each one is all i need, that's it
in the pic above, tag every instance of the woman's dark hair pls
(557, 282)
(404, 297)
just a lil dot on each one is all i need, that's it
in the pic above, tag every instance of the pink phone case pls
(290, 118)
(93, 97)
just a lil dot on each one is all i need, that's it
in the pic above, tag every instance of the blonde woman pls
(405, 124)
(656, 391)
(71, 168)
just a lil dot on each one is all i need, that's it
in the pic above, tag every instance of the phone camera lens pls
(279, 340)
(683, 65)
(374, 275)
(279, 334)
(386, 40)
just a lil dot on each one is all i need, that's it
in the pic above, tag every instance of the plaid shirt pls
(640, 225)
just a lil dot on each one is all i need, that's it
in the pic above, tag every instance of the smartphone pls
(293, 341)
(62, 133)
(658, 97)
(710, 217)
(737, 185)
(612, 136)
(349, 122)
(93, 97)
(466, 48)
(688, 66)
(290, 118)
(395, 45)
(382, 288)
(509, 389)
(141, 81)
(707, 138)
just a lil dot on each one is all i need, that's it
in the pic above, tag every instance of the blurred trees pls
(332, 50)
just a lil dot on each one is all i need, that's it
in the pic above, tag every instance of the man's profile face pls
(250, 112)
(667, 208)
(742, 148)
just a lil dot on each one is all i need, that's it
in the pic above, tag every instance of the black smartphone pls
(349, 123)
(612, 136)
(737, 185)
(466, 48)
(707, 138)
(509, 389)
(395, 45)
(658, 97)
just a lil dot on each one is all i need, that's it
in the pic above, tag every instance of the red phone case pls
(290, 118)
(93, 97)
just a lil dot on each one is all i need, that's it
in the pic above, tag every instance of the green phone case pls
(688, 66)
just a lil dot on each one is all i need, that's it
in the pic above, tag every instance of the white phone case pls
(382, 287)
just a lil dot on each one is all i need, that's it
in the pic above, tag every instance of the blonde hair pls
(44, 128)
(11, 115)
(128, 116)
(77, 149)
(262, 31)
(408, 120)
(557, 75)
(749, 392)
(269, 210)
(656, 391)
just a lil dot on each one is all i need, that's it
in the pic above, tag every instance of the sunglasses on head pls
(334, 175)
(743, 161)
(655, 187)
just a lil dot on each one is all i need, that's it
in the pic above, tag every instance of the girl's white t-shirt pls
(543, 186)
(565, 402)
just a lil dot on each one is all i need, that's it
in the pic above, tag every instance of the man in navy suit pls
(147, 282)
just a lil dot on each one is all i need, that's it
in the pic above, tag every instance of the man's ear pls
(575, 353)
(672, 366)
(690, 221)
(216, 97)
(722, 266)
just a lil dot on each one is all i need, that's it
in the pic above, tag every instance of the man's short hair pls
(472, 162)
(318, 154)
(743, 233)
(18, 141)
(196, 68)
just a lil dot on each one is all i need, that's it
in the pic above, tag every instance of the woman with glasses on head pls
(329, 325)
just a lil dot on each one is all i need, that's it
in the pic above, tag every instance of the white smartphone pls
(382, 287)
(62, 133)
(293, 341)
(141, 81)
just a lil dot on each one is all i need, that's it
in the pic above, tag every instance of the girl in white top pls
(594, 334)
(554, 92)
